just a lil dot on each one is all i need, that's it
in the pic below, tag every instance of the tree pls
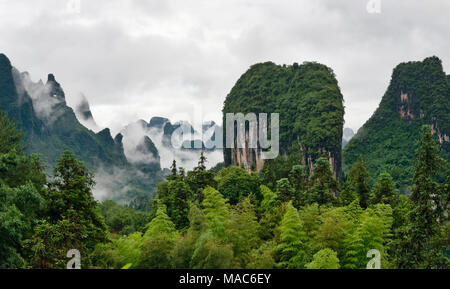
(123, 220)
(211, 253)
(281, 167)
(216, 210)
(359, 178)
(174, 172)
(74, 221)
(202, 161)
(178, 203)
(158, 241)
(384, 190)
(270, 221)
(420, 249)
(368, 229)
(324, 259)
(323, 186)
(10, 137)
(11, 227)
(242, 231)
(200, 178)
(236, 184)
(347, 194)
(285, 191)
(332, 230)
(291, 246)
(16, 168)
(270, 199)
(298, 177)
(118, 253)
(175, 195)
(181, 255)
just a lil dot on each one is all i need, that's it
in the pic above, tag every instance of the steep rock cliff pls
(310, 106)
(418, 94)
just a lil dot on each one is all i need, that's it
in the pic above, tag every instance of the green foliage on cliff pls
(309, 102)
(418, 94)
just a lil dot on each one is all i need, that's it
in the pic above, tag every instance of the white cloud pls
(138, 59)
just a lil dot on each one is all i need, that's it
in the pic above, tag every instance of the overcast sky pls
(143, 58)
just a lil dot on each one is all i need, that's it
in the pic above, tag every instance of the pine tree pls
(419, 250)
(298, 177)
(160, 224)
(178, 203)
(384, 190)
(173, 171)
(199, 178)
(202, 162)
(347, 194)
(182, 173)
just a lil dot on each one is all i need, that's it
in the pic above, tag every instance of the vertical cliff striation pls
(310, 106)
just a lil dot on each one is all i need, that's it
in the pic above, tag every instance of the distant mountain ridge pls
(50, 127)
(162, 132)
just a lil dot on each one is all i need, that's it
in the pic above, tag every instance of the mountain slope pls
(84, 114)
(51, 127)
(310, 106)
(418, 94)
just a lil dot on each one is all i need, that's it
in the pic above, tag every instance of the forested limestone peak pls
(310, 106)
(418, 94)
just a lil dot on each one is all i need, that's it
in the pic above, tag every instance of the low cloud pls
(114, 184)
(169, 147)
(44, 103)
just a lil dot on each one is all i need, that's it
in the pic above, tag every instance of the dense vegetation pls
(418, 94)
(309, 102)
(229, 219)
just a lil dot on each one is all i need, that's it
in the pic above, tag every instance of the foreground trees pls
(307, 223)
(228, 219)
(21, 203)
(72, 221)
(40, 220)
(425, 241)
